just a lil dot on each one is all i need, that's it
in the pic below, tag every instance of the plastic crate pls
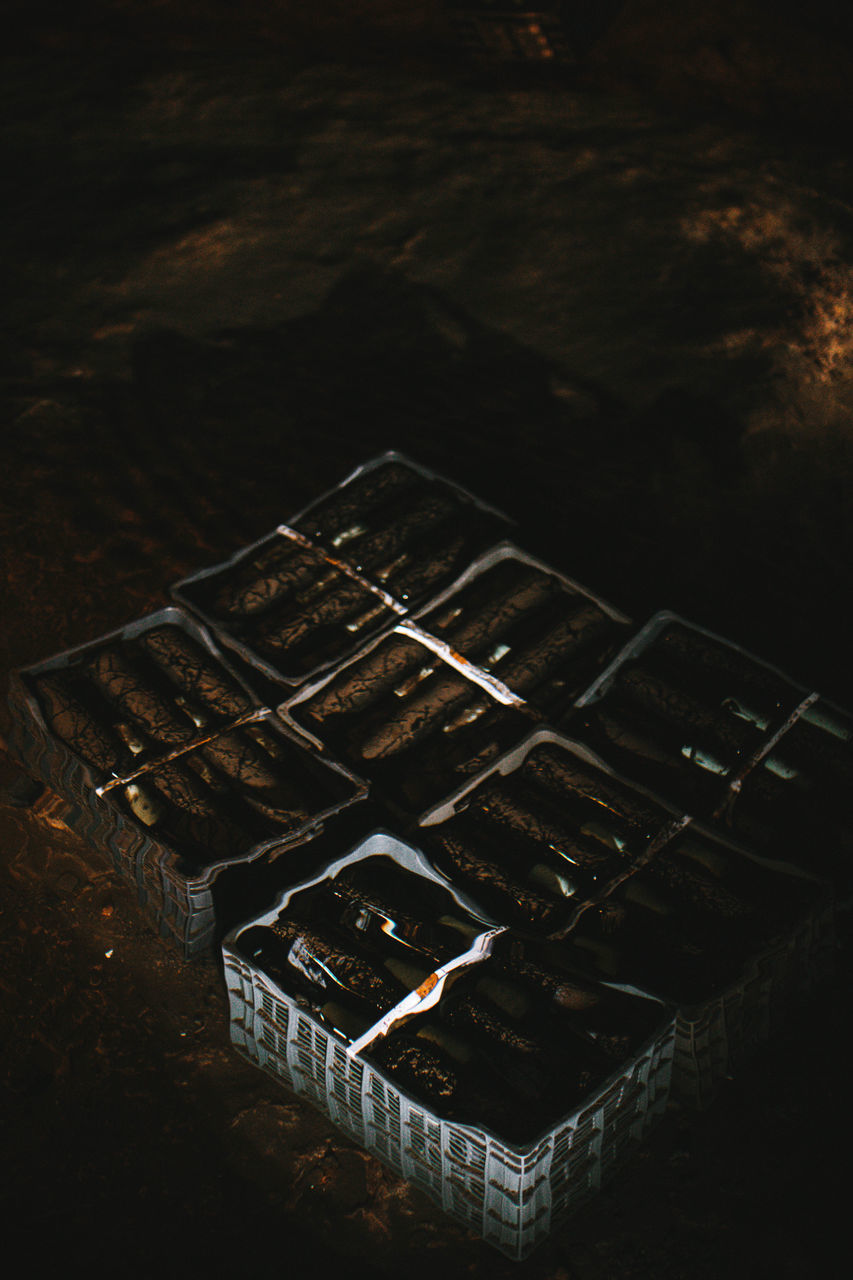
(574, 669)
(180, 903)
(666, 821)
(412, 781)
(177, 901)
(693, 780)
(48, 758)
(510, 1195)
(193, 591)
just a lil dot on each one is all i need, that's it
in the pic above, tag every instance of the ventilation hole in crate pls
(308, 1066)
(424, 1156)
(511, 1193)
(391, 1104)
(457, 1142)
(503, 1219)
(339, 1063)
(389, 1121)
(563, 1139)
(472, 1196)
(529, 1192)
(417, 1143)
(378, 1090)
(586, 1130)
(458, 1146)
(473, 1167)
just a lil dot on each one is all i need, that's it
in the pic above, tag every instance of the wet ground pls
(229, 280)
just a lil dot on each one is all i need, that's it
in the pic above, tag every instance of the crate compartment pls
(347, 567)
(541, 634)
(410, 716)
(240, 789)
(176, 860)
(127, 699)
(684, 712)
(402, 526)
(352, 941)
(286, 607)
(542, 831)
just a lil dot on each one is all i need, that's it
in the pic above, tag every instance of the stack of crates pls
(406, 658)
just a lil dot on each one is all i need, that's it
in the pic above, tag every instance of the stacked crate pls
(164, 765)
(510, 1191)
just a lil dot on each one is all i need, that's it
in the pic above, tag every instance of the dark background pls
(246, 248)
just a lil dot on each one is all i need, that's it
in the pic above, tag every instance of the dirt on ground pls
(232, 275)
